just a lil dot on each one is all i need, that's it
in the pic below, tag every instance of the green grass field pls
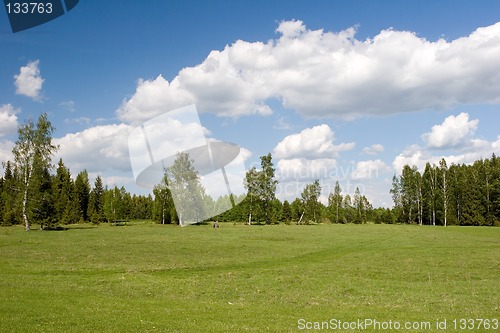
(145, 277)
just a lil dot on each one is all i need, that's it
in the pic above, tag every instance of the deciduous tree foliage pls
(458, 194)
(32, 156)
(261, 189)
(442, 195)
(186, 189)
(310, 198)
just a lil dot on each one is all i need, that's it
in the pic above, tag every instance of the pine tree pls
(10, 194)
(82, 193)
(96, 202)
(473, 211)
(65, 203)
(287, 212)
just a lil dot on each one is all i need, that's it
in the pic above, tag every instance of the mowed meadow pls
(145, 277)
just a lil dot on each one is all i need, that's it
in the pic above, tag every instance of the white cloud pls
(312, 142)
(96, 149)
(369, 169)
(418, 156)
(453, 132)
(152, 98)
(373, 149)
(6, 152)
(302, 169)
(455, 135)
(29, 81)
(8, 119)
(328, 74)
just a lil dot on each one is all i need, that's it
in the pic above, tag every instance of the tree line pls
(458, 194)
(31, 191)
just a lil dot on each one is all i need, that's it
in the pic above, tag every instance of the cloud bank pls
(331, 74)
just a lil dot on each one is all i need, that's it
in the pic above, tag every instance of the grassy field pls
(145, 277)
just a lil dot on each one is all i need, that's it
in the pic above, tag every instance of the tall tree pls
(358, 205)
(187, 191)
(96, 202)
(163, 202)
(445, 188)
(473, 210)
(335, 202)
(65, 203)
(310, 197)
(431, 185)
(10, 194)
(397, 197)
(410, 183)
(267, 185)
(32, 154)
(261, 188)
(251, 184)
(349, 210)
(82, 193)
(287, 212)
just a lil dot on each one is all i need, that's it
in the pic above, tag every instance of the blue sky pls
(336, 90)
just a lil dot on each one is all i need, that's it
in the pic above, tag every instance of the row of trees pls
(442, 195)
(30, 191)
(58, 199)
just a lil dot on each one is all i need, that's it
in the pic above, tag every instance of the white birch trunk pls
(301, 216)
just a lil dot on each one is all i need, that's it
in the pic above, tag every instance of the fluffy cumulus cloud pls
(331, 74)
(373, 149)
(302, 169)
(96, 149)
(312, 142)
(369, 169)
(306, 156)
(452, 140)
(6, 152)
(29, 81)
(8, 126)
(453, 132)
(8, 119)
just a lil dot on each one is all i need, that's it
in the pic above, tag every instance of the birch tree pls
(310, 197)
(32, 154)
(163, 202)
(267, 184)
(335, 201)
(431, 186)
(186, 189)
(444, 186)
(252, 186)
